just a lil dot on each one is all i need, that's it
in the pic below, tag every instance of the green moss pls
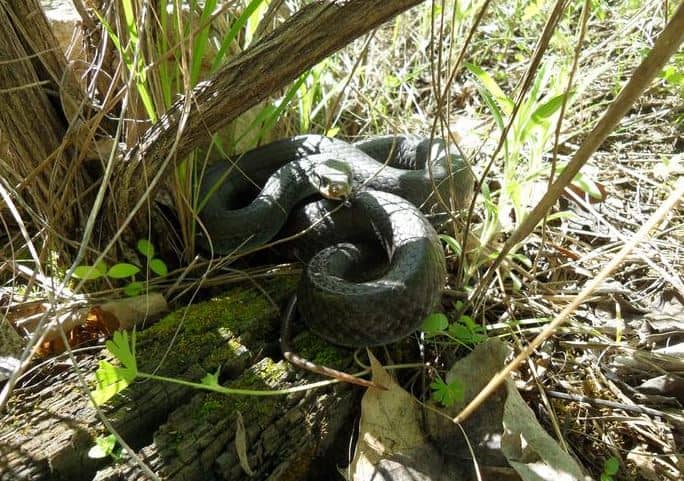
(215, 332)
(263, 376)
(210, 405)
(320, 351)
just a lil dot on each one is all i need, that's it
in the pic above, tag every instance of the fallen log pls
(182, 433)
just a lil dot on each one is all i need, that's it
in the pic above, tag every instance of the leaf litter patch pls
(402, 439)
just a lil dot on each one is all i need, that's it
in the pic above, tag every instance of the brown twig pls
(296, 360)
(634, 408)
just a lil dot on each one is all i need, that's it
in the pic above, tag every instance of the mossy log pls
(179, 432)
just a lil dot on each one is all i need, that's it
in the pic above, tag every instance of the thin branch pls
(310, 35)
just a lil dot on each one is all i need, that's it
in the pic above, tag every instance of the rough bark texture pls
(22, 100)
(31, 118)
(309, 36)
(183, 433)
(284, 435)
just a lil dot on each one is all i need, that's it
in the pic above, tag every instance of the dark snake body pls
(349, 295)
(367, 306)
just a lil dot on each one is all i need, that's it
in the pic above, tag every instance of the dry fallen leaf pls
(503, 436)
(131, 311)
(241, 444)
(392, 444)
(88, 326)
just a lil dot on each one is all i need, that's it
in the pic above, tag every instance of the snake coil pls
(375, 268)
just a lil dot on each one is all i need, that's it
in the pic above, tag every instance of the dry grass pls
(610, 383)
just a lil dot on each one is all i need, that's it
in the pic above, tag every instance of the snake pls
(374, 262)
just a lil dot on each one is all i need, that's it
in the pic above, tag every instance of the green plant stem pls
(254, 392)
(236, 391)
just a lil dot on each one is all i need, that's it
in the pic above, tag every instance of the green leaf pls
(134, 288)
(515, 280)
(460, 332)
(88, 273)
(104, 446)
(561, 215)
(201, 40)
(606, 477)
(672, 75)
(491, 91)
(453, 244)
(522, 258)
(588, 186)
(611, 466)
(130, 17)
(434, 323)
(392, 81)
(332, 131)
(548, 108)
(158, 266)
(110, 380)
(123, 350)
(488, 82)
(146, 248)
(447, 394)
(122, 270)
(211, 379)
(233, 32)
(467, 331)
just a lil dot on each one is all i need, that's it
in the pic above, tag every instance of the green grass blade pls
(138, 71)
(548, 108)
(200, 44)
(492, 88)
(233, 32)
(270, 114)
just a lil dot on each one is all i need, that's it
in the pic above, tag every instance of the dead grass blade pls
(665, 46)
(549, 330)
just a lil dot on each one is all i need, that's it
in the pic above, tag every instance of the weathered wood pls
(23, 99)
(310, 35)
(284, 434)
(31, 117)
(182, 433)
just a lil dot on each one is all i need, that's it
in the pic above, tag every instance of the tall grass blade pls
(200, 43)
(233, 32)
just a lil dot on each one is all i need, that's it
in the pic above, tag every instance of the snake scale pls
(374, 265)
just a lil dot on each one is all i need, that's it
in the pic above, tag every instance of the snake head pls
(333, 179)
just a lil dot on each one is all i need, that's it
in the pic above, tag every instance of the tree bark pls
(183, 433)
(285, 437)
(23, 99)
(310, 35)
(39, 164)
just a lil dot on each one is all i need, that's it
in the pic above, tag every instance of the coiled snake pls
(346, 295)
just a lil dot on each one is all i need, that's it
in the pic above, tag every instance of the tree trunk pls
(310, 35)
(39, 165)
(183, 433)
